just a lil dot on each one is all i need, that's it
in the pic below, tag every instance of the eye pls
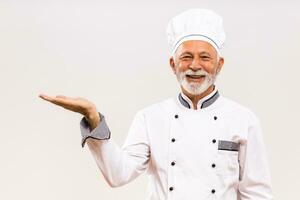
(205, 58)
(186, 57)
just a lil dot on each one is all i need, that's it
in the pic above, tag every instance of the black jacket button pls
(173, 163)
(176, 116)
(213, 165)
(215, 117)
(173, 140)
(171, 188)
(213, 191)
(214, 140)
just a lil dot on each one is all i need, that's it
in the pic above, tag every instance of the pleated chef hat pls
(196, 24)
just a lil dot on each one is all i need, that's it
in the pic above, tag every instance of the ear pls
(220, 64)
(172, 64)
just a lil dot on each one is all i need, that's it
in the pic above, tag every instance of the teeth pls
(195, 76)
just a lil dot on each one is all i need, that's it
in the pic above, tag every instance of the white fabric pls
(196, 24)
(242, 175)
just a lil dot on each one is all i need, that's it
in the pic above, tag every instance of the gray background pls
(116, 54)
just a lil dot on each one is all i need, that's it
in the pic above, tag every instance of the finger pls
(58, 100)
(61, 96)
(63, 101)
(46, 97)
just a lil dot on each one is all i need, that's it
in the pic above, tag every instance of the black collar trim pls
(205, 104)
(210, 100)
(183, 101)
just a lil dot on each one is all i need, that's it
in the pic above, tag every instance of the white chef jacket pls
(213, 153)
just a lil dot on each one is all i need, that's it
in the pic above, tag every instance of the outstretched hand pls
(79, 105)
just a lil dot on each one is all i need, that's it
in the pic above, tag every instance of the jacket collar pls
(202, 103)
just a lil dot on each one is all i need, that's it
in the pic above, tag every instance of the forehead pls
(196, 46)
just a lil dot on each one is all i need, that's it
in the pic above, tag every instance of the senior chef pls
(197, 145)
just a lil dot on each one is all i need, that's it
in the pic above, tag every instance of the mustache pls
(197, 73)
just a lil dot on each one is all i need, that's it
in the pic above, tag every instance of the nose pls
(195, 65)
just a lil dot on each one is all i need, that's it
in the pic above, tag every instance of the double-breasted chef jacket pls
(215, 152)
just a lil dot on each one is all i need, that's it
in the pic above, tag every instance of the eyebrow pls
(186, 52)
(190, 53)
(204, 52)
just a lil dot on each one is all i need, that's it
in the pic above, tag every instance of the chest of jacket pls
(196, 147)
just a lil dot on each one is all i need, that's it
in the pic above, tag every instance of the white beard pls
(194, 87)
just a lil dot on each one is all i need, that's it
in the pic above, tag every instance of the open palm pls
(79, 105)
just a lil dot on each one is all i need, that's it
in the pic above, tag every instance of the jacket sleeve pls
(101, 132)
(255, 181)
(119, 165)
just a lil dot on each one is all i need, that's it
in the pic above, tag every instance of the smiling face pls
(196, 65)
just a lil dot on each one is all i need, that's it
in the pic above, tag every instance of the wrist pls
(90, 112)
(93, 119)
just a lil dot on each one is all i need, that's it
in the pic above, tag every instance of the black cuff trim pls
(84, 139)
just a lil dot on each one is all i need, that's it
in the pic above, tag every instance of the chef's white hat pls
(196, 24)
